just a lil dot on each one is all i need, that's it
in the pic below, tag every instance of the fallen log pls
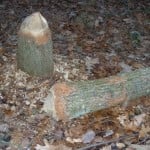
(34, 54)
(72, 99)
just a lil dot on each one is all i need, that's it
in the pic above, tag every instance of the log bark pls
(72, 99)
(34, 54)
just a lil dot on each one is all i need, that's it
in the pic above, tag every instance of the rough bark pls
(72, 99)
(34, 54)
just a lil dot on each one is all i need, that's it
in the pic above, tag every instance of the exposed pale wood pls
(72, 99)
(34, 54)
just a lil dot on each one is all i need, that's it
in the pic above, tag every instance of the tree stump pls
(35, 51)
(72, 99)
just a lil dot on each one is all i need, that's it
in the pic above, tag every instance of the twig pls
(144, 140)
(107, 142)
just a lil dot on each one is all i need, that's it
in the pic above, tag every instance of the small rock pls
(109, 133)
(58, 135)
(70, 140)
(88, 136)
(120, 145)
(113, 146)
(4, 58)
(27, 103)
(13, 108)
(4, 127)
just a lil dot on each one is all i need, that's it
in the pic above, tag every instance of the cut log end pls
(60, 91)
(35, 27)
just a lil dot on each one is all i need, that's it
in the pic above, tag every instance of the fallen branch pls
(72, 99)
(95, 145)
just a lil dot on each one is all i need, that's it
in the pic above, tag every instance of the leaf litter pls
(92, 39)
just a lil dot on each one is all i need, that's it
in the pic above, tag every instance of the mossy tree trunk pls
(72, 99)
(35, 55)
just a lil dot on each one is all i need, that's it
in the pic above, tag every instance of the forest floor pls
(91, 39)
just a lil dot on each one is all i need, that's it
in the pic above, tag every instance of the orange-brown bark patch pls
(39, 39)
(118, 100)
(61, 90)
(116, 80)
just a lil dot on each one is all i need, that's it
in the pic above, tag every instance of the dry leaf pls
(144, 131)
(72, 141)
(123, 120)
(125, 67)
(52, 147)
(140, 147)
(134, 124)
(90, 62)
(4, 127)
(139, 119)
(106, 148)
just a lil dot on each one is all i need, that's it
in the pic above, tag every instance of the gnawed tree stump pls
(72, 99)
(34, 54)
